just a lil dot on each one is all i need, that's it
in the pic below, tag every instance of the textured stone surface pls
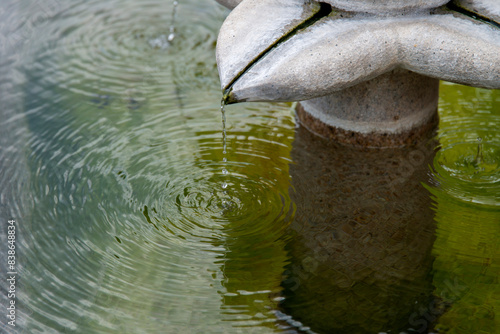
(486, 8)
(384, 6)
(377, 139)
(336, 54)
(240, 41)
(370, 6)
(392, 103)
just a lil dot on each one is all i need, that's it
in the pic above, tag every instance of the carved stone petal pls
(384, 6)
(369, 5)
(453, 49)
(336, 54)
(485, 8)
(252, 27)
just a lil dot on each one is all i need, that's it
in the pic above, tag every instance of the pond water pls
(131, 219)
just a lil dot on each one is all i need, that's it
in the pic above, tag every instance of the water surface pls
(112, 163)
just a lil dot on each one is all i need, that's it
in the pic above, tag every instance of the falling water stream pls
(226, 203)
(135, 215)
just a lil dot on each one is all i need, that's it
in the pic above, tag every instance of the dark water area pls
(130, 218)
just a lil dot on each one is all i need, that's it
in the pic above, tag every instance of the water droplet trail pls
(171, 34)
(223, 115)
(225, 203)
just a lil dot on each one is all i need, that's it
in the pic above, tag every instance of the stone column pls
(393, 109)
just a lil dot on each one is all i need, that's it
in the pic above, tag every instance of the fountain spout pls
(367, 72)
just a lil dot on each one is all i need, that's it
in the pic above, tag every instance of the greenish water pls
(467, 194)
(112, 165)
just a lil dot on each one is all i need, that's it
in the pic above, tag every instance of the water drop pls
(171, 36)
(223, 116)
(224, 159)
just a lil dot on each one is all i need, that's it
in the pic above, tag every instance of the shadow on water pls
(361, 239)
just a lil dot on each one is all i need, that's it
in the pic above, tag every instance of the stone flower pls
(294, 50)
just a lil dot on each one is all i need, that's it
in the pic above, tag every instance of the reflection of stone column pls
(361, 238)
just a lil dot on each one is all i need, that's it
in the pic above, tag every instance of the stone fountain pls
(365, 72)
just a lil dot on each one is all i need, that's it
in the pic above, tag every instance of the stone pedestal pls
(393, 109)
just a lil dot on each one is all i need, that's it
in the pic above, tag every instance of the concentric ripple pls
(108, 53)
(474, 162)
(112, 164)
(468, 162)
(249, 204)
